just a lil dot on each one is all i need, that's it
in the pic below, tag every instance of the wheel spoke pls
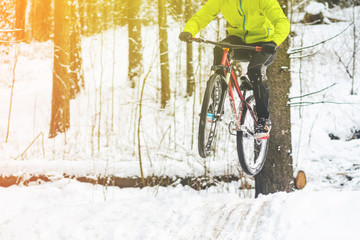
(210, 115)
(251, 152)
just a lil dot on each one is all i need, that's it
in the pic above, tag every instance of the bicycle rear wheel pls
(211, 111)
(251, 152)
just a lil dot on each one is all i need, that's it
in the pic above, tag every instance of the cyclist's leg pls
(257, 75)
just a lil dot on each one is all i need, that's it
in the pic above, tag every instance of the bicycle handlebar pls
(227, 45)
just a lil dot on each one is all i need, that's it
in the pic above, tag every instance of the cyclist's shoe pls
(263, 128)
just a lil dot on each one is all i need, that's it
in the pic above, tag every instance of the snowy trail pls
(71, 210)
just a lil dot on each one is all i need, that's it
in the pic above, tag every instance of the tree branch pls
(346, 67)
(308, 94)
(302, 104)
(308, 55)
(297, 50)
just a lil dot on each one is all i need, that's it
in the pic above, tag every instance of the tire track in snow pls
(240, 220)
(251, 221)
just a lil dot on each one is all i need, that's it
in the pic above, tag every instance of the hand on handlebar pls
(185, 36)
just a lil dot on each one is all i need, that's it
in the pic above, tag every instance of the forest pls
(101, 98)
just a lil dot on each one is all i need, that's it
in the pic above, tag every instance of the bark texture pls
(76, 71)
(60, 107)
(277, 174)
(135, 42)
(20, 7)
(164, 56)
(189, 54)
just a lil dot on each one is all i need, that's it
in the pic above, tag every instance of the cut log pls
(300, 180)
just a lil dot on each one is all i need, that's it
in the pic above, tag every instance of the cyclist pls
(254, 22)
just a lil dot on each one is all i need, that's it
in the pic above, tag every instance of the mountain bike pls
(251, 152)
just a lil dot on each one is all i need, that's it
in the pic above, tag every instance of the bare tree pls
(7, 39)
(12, 92)
(20, 7)
(135, 41)
(352, 92)
(277, 174)
(92, 18)
(164, 56)
(189, 54)
(76, 72)
(41, 19)
(60, 108)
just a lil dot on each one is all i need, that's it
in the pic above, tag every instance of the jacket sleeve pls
(275, 14)
(202, 18)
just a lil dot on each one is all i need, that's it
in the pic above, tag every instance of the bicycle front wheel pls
(251, 152)
(211, 111)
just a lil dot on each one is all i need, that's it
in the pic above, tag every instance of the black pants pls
(258, 63)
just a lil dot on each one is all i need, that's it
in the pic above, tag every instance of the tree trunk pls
(277, 174)
(135, 42)
(83, 16)
(20, 19)
(60, 109)
(7, 22)
(28, 31)
(76, 73)
(119, 10)
(189, 54)
(92, 22)
(164, 57)
(41, 19)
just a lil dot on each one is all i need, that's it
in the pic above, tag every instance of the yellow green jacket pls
(251, 20)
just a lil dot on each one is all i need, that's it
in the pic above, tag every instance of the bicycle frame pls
(229, 73)
(251, 151)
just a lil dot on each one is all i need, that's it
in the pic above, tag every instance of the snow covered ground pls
(328, 207)
(71, 210)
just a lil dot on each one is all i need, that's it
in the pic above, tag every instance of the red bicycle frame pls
(229, 73)
(225, 62)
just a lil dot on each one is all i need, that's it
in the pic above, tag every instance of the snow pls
(67, 209)
(315, 8)
(327, 208)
